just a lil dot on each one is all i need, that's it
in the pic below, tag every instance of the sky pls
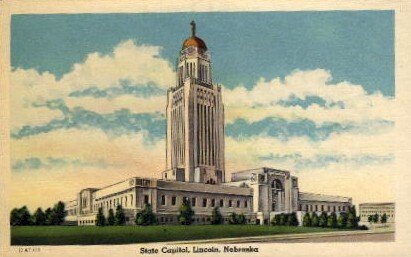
(309, 92)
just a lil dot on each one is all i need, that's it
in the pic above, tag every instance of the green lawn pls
(72, 235)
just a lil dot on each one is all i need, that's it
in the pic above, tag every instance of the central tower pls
(195, 118)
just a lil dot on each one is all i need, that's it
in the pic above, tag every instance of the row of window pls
(315, 207)
(207, 202)
(366, 215)
(203, 219)
(85, 222)
(376, 211)
(109, 204)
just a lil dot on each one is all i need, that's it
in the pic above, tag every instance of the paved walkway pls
(338, 236)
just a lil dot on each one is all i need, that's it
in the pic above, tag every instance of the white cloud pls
(262, 100)
(138, 64)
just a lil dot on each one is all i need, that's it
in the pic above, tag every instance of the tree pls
(49, 216)
(314, 220)
(100, 219)
(216, 217)
(283, 219)
(292, 219)
(322, 222)
(59, 213)
(307, 220)
(39, 217)
(186, 213)
(233, 219)
(146, 216)
(110, 219)
(384, 218)
(14, 217)
(342, 220)
(24, 217)
(120, 218)
(241, 220)
(276, 220)
(376, 218)
(332, 220)
(351, 220)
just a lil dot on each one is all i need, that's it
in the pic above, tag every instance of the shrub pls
(275, 221)
(120, 218)
(100, 219)
(322, 222)
(307, 220)
(186, 213)
(314, 219)
(216, 217)
(292, 219)
(110, 219)
(342, 220)
(146, 216)
(384, 218)
(332, 220)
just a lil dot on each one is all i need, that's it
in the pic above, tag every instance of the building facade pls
(368, 209)
(195, 164)
(195, 115)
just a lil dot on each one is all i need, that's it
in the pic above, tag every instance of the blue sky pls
(310, 92)
(356, 46)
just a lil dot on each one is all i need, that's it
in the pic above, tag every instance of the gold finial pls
(193, 28)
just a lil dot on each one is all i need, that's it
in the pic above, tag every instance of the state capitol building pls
(195, 164)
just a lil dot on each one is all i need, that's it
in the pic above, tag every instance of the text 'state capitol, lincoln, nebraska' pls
(195, 164)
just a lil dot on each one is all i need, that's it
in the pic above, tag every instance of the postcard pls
(149, 129)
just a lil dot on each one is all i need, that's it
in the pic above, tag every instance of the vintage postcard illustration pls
(201, 132)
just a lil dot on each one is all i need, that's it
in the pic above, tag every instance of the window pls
(212, 202)
(126, 200)
(163, 200)
(193, 201)
(230, 203)
(322, 207)
(145, 199)
(204, 202)
(238, 204)
(221, 203)
(334, 208)
(173, 200)
(165, 175)
(245, 204)
(328, 208)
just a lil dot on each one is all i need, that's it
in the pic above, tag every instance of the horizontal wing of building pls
(322, 198)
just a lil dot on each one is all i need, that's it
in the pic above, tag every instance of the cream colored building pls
(195, 164)
(367, 209)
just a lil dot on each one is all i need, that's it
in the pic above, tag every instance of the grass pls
(73, 235)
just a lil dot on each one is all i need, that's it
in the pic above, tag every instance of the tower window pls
(204, 202)
(221, 203)
(230, 203)
(173, 200)
(238, 204)
(212, 202)
(163, 200)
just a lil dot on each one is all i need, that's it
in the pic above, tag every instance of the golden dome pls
(193, 40)
(196, 42)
